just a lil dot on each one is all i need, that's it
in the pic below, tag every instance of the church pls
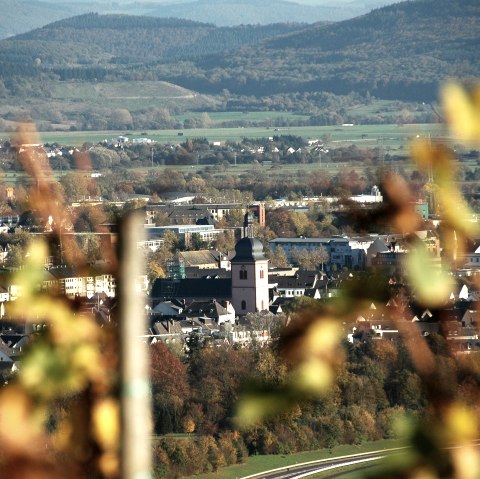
(246, 288)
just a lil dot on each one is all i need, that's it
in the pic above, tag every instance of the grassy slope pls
(258, 464)
(105, 91)
(347, 472)
(76, 97)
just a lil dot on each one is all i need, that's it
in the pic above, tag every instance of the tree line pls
(196, 394)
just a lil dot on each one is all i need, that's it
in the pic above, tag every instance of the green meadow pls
(388, 136)
(257, 464)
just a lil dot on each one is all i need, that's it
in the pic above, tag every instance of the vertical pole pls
(134, 360)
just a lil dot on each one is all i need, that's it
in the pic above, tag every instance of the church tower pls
(249, 277)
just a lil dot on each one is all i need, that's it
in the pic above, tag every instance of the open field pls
(387, 136)
(257, 464)
(218, 117)
(385, 109)
(289, 170)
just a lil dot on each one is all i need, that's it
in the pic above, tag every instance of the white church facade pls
(249, 277)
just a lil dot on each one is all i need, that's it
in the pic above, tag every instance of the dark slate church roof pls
(248, 249)
(198, 289)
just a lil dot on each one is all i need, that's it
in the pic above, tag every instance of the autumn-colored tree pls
(170, 388)
(225, 242)
(205, 120)
(161, 218)
(269, 367)
(235, 217)
(88, 218)
(215, 376)
(196, 185)
(156, 263)
(278, 258)
(120, 118)
(78, 185)
(310, 260)
(280, 222)
(303, 225)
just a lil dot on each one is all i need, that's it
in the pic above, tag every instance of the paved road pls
(307, 469)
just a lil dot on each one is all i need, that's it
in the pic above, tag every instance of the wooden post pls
(136, 418)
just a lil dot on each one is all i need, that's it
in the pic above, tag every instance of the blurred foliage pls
(59, 414)
(312, 342)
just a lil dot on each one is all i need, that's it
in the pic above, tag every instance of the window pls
(243, 273)
(262, 274)
(244, 305)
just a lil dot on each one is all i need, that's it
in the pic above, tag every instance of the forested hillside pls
(399, 52)
(122, 39)
(376, 385)
(402, 51)
(19, 16)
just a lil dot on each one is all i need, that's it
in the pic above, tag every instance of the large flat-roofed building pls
(179, 214)
(339, 250)
(207, 233)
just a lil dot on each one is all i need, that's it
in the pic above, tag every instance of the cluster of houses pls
(237, 297)
(217, 301)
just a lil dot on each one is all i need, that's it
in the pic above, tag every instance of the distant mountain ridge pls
(99, 39)
(421, 18)
(20, 16)
(235, 12)
(402, 51)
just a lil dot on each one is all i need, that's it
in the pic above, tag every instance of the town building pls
(339, 250)
(204, 232)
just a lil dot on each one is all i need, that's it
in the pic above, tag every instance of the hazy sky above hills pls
(372, 3)
(20, 16)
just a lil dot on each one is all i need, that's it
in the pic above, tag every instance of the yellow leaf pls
(313, 376)
(322, 336)
(431, 285)
(252, 408)
(106, 423)
(461, 424)
(462, 112)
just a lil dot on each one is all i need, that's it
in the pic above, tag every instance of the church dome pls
(248, 249)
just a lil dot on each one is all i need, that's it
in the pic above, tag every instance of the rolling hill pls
(401, 51)
(20, 16)
(398, 52)
(123, 39)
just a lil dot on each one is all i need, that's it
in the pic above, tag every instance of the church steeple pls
(248, 222)
(249, 277)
